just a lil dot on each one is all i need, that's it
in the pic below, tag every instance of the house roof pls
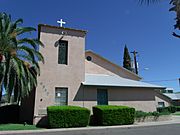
(173, 96)
(115, 81)
(122, 68)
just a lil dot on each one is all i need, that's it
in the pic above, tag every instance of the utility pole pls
(135, 61)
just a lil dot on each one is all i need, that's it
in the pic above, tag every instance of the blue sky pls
(111, 24)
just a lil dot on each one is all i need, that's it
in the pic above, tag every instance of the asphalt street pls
(172, 129)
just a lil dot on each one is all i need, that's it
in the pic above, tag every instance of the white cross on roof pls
(60, 22)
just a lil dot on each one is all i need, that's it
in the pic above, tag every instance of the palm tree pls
(19, 58)
(175, 8)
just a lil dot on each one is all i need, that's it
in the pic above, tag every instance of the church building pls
(73, 76)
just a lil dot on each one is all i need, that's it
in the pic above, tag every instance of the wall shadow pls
(89, 93)
(43, 122)
(27, 108)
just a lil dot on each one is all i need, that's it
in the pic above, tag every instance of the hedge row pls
(73, 116)
(171, 109)
(67, 116)
(113, 115)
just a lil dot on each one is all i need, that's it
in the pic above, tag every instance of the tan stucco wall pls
(58, 75)
(139, 98)
(100, 66)
(162, 98)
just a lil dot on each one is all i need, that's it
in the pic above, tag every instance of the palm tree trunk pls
(2, 74)
(1, 90)
(16, 90)
(8, 79)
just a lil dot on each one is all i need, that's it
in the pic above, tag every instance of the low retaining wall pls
(154, 118)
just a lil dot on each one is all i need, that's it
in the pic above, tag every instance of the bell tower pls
(64, 69)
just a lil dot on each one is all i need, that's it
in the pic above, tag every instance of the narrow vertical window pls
(61, 96)
(63, 52)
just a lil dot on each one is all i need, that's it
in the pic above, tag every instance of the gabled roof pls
(121, 68)
(173, 96)
(116, 81)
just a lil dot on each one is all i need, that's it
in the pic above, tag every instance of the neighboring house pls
(162, 100)
(171, 98)
(73, 76)
(175, 98)
(167, 90)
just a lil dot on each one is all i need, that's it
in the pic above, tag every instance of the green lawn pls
(176, 113)
(4, 127)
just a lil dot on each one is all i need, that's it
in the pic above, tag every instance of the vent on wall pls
(89, 58)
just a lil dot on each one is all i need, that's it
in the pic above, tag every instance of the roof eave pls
(122, 86)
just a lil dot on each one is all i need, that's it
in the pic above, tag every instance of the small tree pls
(127, 59)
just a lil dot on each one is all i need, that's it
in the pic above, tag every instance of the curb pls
(135, 125)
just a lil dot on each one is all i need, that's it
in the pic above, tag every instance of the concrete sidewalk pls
(175, 120)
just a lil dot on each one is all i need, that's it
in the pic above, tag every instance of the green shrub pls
(9, 114)
(155, 114)
(177, 108)
(164, 113)
(141, 114)
(162, 109)
(67, 116)
(113, 115)
(171, 109)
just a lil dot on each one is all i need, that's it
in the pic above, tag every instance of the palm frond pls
(16, 23)
(147, 2)
(35, 43)
(32, 53)
(22, 30)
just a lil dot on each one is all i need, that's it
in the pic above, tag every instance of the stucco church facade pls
(73, 76)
